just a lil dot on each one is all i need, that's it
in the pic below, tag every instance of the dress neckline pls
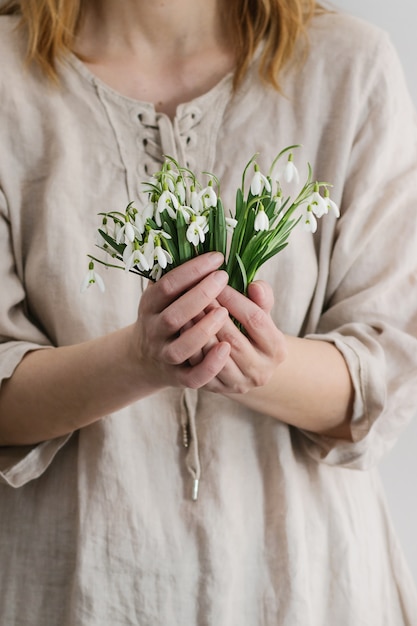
(203, 101)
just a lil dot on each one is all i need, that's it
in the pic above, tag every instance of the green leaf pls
(243, 274)
(220, 228)
(119, 247)
(185, 251)
(212, 231)
(171, 245)
(240, 204)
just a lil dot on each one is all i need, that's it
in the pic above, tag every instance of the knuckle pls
(255, 377)
(169, 321)
(240, 388)
(167, 285)
(172, 355)
(260, 378)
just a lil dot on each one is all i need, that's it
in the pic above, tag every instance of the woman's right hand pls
(172, 326)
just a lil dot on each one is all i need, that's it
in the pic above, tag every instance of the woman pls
(100, 518)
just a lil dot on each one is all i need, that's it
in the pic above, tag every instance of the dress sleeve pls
(371, 301)
(18, 336)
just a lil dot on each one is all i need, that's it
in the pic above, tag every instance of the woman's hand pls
(279, 375)
(254, 356)
(165, 337)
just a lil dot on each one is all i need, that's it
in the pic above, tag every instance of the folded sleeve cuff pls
(369, 401)
(21, 464)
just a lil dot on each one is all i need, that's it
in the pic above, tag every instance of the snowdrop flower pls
(318, 203)
(208, 196)
(166, 179)
(332, 206)
(132, 255)
(310, 222)
(156, 272)
(148, 250)
(290, 173)
(259, 182)
(140, 219)
(159, 233)
(180, 190)
(92, 278)
(161, 255)
(261, 219)
(231, 224)
(125, 232)
(196, 201)
(153, 238)
(171, 182)
(100, 241)
(167, 202)
(278, 201)
(187, 212)
(197, 229)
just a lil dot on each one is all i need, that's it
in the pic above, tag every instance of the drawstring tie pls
(189, 401)
(160, 135)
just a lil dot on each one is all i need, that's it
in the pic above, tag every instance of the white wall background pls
(399, 469)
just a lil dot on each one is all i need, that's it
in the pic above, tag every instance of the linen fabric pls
(290, 528)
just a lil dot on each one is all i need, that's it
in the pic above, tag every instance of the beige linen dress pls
(289, 529)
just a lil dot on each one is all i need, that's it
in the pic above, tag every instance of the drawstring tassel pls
(196, 484)
(190, 439)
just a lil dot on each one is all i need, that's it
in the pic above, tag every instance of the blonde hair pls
(51, 27)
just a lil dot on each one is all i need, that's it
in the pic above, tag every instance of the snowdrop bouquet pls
(184, 217)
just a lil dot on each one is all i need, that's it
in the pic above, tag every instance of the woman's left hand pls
(267, 371)
(255, 355)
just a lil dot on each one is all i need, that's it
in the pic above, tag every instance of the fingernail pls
(215, 257)
(221, 277)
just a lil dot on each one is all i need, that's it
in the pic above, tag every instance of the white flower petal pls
(129, 231)
(332, 206)
(160, 256)
(291, 173)
(156, 272)
(180, 191)
(318, 204)
(256, 184)
(261, 221)
(192, 234)
(196, 202)
(92, 278)
(231, 224)
(310, 222)
(208, 197)
(143, 262)
(186, 211)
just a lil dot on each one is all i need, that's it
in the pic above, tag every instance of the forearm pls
(311, 389)
(55, 391)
